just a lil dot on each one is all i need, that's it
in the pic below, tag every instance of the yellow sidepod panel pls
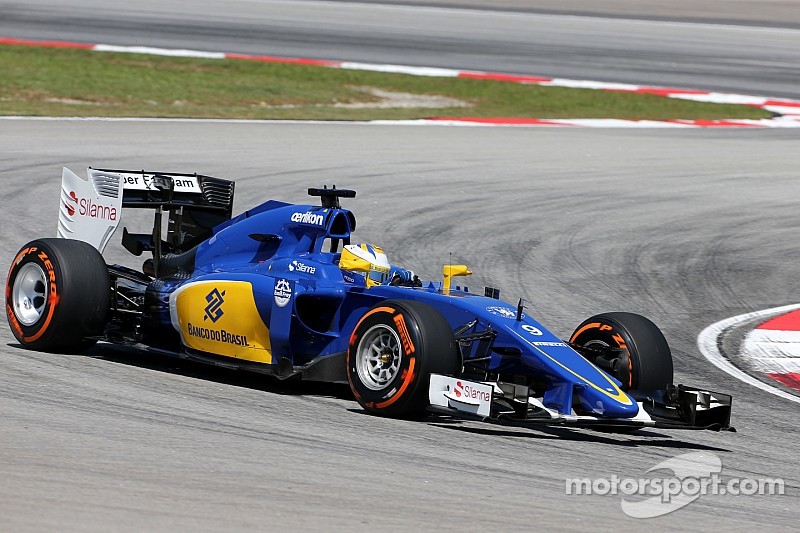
(220, 317)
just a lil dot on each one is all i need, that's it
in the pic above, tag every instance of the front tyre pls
(648, 352)
(58, 293)
(393, 350)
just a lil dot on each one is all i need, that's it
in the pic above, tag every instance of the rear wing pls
(91, 209)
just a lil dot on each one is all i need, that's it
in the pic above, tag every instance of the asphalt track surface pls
(670, 224)
(748, 59)
(686, 227)
(775, 13)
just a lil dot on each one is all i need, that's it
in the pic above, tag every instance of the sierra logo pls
(469, 392)
(308, 218)
(88, 208)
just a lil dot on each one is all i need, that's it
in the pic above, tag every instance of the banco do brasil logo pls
(214, 307)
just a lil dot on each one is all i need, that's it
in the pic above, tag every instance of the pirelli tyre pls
(57, 294)
(650, 359)
(393, 350)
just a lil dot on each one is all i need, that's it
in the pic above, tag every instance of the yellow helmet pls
(366, 260)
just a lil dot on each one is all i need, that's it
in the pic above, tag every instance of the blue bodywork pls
(279, 241)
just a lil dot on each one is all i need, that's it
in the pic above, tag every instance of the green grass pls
(67, 82)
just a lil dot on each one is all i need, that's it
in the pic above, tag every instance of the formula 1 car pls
(265, 291)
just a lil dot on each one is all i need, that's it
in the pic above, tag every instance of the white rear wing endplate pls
(90, 209)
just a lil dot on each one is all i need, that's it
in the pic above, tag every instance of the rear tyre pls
(648, 351)
(393, 351)
(58, 293)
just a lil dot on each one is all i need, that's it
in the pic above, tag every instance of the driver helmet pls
(366, 260)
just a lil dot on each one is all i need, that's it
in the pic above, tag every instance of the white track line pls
(158, 51)
(708, 343)
(466, 123)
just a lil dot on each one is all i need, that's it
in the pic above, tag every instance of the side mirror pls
(454, 270)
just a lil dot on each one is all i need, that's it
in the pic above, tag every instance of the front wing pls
(676, 407)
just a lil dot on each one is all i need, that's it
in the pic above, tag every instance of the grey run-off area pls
(778, 13)
(687, 227)
(745, 59)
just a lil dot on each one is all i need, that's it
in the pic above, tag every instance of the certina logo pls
(214, 308)
(504, 312)
(283, 292)
(219, 335)
(308, 218)
(88, 208)
(301, 267)
(465, 391)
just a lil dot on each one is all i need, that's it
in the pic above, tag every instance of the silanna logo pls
(462, 390)
(71, 203)
(88, 208)
(214, 308)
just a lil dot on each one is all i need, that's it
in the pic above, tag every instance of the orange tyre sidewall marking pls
(369, 313)
(405, 337)
(630, 371)
(12, 318)
(52, 297)
(617, 338)
(408, 374)
(408, 377)
(14, 263)
(352, 343)
(593, 325)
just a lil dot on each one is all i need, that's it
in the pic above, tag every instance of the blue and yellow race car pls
(282, 289)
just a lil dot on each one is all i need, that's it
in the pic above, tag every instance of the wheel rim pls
(602, 344)
(596, 342)
(378, 357)
(29, 294)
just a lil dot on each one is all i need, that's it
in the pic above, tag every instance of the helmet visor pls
(378, 276)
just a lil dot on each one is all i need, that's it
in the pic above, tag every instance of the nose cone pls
(617, 406)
